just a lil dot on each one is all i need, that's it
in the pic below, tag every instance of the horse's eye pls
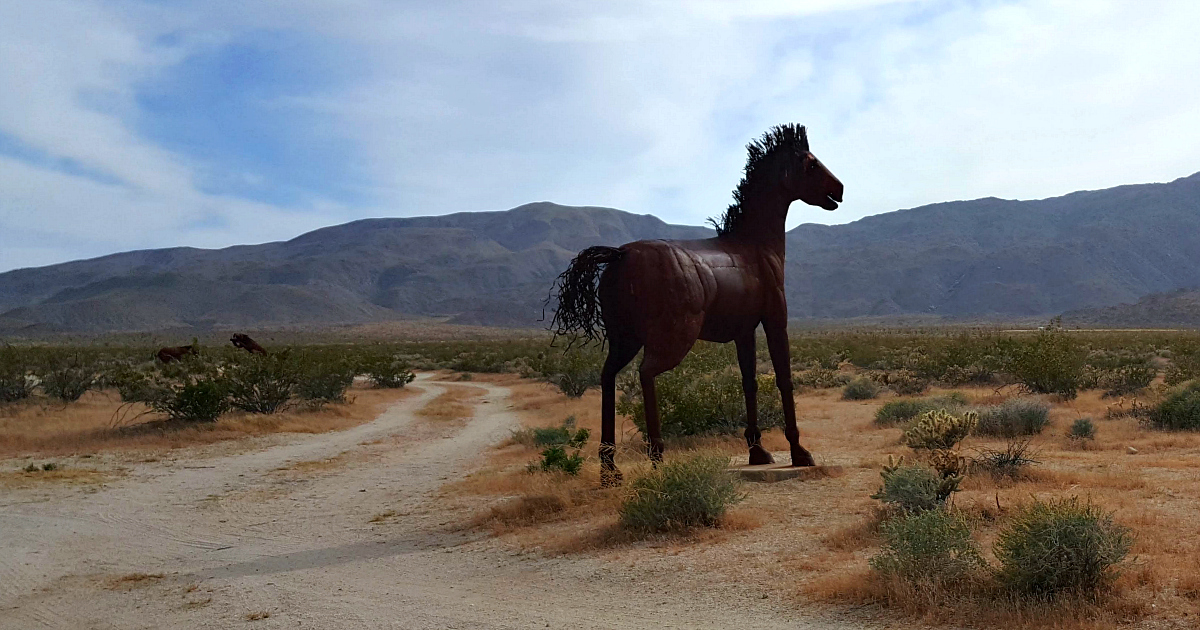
(812, 166)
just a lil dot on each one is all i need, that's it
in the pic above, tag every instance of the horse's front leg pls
(777, 344)
(748, 364)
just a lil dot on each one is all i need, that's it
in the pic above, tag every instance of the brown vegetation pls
(100, 422)
(452, 404)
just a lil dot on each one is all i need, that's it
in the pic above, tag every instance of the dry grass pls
(454, 404)
(132, 580)
(99, 422)
(813, 539)
(20, 479)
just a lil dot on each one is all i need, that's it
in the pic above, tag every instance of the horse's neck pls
(765, 227)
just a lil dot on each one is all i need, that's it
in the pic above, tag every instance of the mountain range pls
(989, 258)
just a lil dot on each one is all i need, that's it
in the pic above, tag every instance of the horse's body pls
(172, 354)
(243, 341)
(662, 296)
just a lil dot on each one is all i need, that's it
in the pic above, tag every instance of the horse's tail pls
(578, 312)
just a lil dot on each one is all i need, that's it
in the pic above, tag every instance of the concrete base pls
(770, 473)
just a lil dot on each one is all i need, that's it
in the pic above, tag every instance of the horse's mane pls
(792, 138)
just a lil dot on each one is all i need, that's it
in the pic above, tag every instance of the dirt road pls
(337, 530)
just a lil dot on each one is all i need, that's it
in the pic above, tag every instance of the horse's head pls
(805, 177)
(780, 169)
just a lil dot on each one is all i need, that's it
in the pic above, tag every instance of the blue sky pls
(132, 124)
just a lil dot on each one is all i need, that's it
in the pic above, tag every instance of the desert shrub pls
(821, 378)
(556, 458)
(1010, 462)
(575, 373)
(907, 383)
(1183, 368)
(939, 429)
(928, 547)
(1050, 364)
(193, 390)
(1179, 411)
(564, 434)
(695, 490)
(202, 399)
(386, 370)
(1126, 379)
(912, 488)
(323, 382)
(1060, 546)
(260, 383)
(703, 396)
(1082, 429)
(861, 388)
(133, 384)
(1015, 416)
(904, 409)
(15, 383)
(66, 378)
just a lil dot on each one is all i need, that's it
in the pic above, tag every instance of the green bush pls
(576, 372)
(703, 396)
(1015, 416)
(193, 390)
(1050, 364)
(1060, 546)
(912, 488)
(14, 376)
(902, 410)
(133, 384)
(930, 546)
(260, 383)
(692, 491)
(1179, 411)
(67, 378)
(321, 382)
(565, 434)
(1082, 429)
(556, 458)
(386, 371)
(201, 400)
(861, 388)
(939, 430)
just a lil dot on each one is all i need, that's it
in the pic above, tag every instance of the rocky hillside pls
(987, 257)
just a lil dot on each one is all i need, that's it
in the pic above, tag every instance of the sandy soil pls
(334, 530)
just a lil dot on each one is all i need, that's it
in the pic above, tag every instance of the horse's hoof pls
(759, 456)
(610, 478)
(801, 457)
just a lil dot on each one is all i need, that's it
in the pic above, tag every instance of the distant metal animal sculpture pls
(244, 342)
(176, 353)
(664, 295)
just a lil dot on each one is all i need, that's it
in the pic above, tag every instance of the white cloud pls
(642, 106)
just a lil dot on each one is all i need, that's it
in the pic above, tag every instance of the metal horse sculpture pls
(243, 341)
(662, 296)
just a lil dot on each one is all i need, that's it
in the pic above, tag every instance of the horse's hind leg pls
(747, 362)
(620, 352)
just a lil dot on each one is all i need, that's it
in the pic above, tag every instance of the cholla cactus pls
(947, 463)
(939, 430)
(913, 488)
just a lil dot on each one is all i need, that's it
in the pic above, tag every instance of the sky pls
(131, 124)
